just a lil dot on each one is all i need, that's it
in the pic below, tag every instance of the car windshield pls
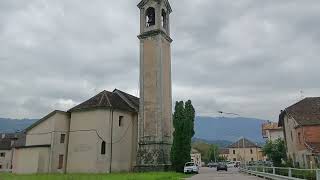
(190, 164)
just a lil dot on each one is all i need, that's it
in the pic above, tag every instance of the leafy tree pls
(183, 122)
(275, 151)
(214, 153)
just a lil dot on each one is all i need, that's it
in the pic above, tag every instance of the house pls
(271, 131)
(196, 157)
(96, 136)
(245, 151)
(224, 153)
(7, 141)
(301, 127)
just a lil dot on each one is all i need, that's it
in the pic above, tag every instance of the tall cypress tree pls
(189, 119)
(177, 146)
(183, 122)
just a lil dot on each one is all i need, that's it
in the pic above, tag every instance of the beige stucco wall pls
(88, 129)
(31, 160)
(6, 160)
(156, 90)
(49, 132)
(242, 154)
(61, 126)
(291, 140)
(275, 134)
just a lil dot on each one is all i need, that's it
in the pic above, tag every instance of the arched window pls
(164, 19)
(103, 147)
(150, 17)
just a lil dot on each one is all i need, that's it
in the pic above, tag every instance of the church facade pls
(112, 131)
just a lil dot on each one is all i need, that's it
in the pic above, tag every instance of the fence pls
(282, 173)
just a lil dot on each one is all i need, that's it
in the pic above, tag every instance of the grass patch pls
(117, 176)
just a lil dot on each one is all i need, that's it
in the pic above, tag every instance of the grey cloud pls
(249, 57)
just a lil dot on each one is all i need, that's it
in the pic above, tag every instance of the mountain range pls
(228, 129)
(212, 130)
(14, 125)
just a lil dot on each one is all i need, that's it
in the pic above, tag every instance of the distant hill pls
(220, 143)
(212, 129)
(13, 125)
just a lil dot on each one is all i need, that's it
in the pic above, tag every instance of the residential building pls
(224, 153)
(301, 127)
(7, 141)
(245, 151)
(271, 131)
(196, 157)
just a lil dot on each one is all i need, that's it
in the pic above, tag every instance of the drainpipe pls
(67, 147)
(111, 132)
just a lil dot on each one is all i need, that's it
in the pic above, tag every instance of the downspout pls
(111, 132)
(67, 147)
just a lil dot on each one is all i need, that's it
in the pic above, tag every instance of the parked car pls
(231, 164)
(222, 166)
(212, 165)
(191, 167)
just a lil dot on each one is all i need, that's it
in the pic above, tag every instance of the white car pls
(231, 164)
(191, 167)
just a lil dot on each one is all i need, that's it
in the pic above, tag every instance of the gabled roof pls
(243, 143)
(306, 112)
(223, 151)
(5, 144)
(107, 100)
(43, 119)
(131, 100)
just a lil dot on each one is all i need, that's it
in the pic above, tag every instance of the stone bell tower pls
(155, 113)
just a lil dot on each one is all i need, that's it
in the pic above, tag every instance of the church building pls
(112, 131)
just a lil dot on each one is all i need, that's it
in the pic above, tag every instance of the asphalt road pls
(231, 174)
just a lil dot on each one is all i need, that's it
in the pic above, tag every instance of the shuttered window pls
(60, 166)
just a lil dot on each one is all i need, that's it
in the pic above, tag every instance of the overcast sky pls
(250, 57)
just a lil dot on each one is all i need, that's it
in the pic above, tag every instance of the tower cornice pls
(154, 33)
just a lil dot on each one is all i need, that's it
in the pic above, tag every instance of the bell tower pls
(155, 113)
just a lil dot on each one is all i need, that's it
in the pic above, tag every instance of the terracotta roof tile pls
(243, 143)
(106, 99)
(305, 112)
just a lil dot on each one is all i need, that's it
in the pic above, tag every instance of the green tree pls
(275, 151)
(214, 153)
(183, 122)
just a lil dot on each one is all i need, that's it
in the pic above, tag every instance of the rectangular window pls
(120, 121)
(234, 151)
(60, 165)
(0, 166)
(251, 151)
(2, 154)
(234, 159)
(62, 138)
